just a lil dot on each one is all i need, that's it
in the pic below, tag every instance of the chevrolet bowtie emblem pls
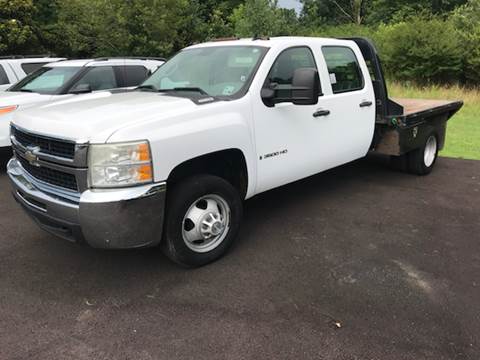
(31, 157)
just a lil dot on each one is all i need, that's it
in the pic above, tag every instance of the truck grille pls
(48, 146)
(50, 176)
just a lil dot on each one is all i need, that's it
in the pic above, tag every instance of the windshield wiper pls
(193, 89)
(186, 89)
(146, 87)
(25, 90)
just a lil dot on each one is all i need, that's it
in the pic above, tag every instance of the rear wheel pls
(203, 218)
(399, 163)
(421, 161)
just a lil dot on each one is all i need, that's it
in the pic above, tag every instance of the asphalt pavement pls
(360, 262)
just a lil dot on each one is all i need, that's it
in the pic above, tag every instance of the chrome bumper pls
(111, 219)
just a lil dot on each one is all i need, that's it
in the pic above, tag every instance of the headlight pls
(119, 165)
(7, 109)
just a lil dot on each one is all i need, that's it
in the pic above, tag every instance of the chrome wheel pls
(206, 223)
(430, 151)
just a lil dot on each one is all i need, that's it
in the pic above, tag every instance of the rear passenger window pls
(135, 75)
(31, 67)
(3, 76)
(344, 70)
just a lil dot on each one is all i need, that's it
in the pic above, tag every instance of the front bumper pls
(111, 219)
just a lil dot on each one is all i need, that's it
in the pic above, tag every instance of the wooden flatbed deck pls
(412, 106)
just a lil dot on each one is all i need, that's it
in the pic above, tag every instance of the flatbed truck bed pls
(403, 126)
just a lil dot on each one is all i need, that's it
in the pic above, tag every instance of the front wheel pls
(203, 218)
(421, 161)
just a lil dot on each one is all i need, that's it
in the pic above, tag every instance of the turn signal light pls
(7, 109)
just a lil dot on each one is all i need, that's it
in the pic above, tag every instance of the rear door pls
(350, 99)
(4, 80)
(7, 76)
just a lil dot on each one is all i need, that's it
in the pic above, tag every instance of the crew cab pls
(171, 162)
(14, 68)
(64, 79)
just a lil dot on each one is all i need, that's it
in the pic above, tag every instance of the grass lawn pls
(463, 134)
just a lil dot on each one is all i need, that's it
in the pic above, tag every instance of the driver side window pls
(285, 65)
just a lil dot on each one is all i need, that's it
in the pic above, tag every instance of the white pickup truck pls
(171, 162)
(15, 68)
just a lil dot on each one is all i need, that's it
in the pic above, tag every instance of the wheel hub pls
(430, 151)
(206, 223)
(212, 225)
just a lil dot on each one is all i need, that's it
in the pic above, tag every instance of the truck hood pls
(8, 98)
(95, 117)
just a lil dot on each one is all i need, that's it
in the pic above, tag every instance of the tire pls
(422, 160)
(399, 163)
(203, 217)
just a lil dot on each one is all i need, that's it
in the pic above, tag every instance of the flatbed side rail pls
(415, 118)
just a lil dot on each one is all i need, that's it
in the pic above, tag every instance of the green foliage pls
(15, 25)
(421, 41)
(346, 30)
(425, 51)
(467, 22)
(334, 12)
(387, 11)
(262, 17)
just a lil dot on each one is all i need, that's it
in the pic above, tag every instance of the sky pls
(291, 4)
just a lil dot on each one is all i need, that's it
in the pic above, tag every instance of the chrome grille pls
(50, 176)
(47, 146)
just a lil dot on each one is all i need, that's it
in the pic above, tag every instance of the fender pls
(209, 129)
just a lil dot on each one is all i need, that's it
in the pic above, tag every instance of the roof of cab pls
(274, 42)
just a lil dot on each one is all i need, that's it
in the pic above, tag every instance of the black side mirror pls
(81, 89)
(304, 90)
(305, 86)
(268, 95)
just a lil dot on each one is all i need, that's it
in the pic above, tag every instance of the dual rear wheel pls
(419, 161)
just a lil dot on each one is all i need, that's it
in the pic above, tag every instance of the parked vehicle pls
(15, 68)
(171, 163)
(64, 79)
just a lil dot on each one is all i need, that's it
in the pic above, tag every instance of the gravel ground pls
(357, 263)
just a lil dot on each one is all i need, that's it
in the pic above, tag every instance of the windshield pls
(223, 71)
(46, 80)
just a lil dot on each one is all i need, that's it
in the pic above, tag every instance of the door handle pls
(366, 104)
(319, 113)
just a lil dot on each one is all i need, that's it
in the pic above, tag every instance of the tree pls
(263, 17)
(421, 50)
(387, 11)
(352, 10)
(334, 12)
(15, 25)
(467, 22)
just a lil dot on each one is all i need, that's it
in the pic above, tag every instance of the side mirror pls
(81, 89)
(268, 95)
(305, 86)
(304, 90)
